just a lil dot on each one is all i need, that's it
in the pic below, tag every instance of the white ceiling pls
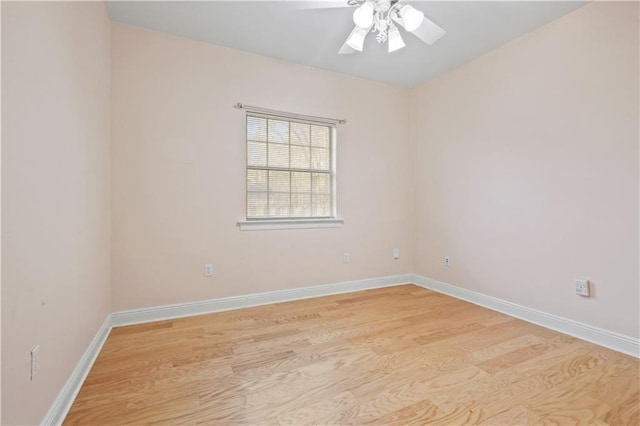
(282, 30)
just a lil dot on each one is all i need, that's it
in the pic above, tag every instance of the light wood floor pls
(401, 355)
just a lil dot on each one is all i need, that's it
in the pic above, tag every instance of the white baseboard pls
(608, 339)
(179, 310)
(62, 404)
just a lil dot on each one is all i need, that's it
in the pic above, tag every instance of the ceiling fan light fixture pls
(363, 15)
(395, 40)
(380, 17)
(356, 38)
(411, 17)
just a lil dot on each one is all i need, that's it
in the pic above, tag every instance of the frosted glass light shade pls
(356, 39)
(411, 17)
(363, 15)
(395, 40)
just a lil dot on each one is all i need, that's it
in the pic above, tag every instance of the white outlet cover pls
(35, 362)
(582, 287)
(208, 270)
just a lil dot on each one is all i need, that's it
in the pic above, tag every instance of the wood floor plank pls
(397, 355)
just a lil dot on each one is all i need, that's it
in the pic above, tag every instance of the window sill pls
(269, 224)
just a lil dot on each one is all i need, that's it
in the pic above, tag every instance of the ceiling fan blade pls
(429, 32)
(346, 49)
(316, 4)
(361, 35)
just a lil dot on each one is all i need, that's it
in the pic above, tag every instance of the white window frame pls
(268, 223)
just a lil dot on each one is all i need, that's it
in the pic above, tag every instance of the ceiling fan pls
(381, 17)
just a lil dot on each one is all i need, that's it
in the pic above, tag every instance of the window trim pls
(268, 223)
(271, 224)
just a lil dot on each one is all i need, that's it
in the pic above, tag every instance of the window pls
(290, 172)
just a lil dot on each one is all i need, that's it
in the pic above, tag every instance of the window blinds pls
(289, 168)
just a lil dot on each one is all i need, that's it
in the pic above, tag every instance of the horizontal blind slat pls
(289, 169)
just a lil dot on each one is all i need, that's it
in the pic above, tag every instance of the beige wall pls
(521, 165)
(526, 169)
(55, 195)
(178, 161)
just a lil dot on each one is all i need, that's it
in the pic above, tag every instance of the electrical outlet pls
(208, 270)
(396, 253)
(345, 258)
(447, 261)
(35, 362)
(582, 287)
